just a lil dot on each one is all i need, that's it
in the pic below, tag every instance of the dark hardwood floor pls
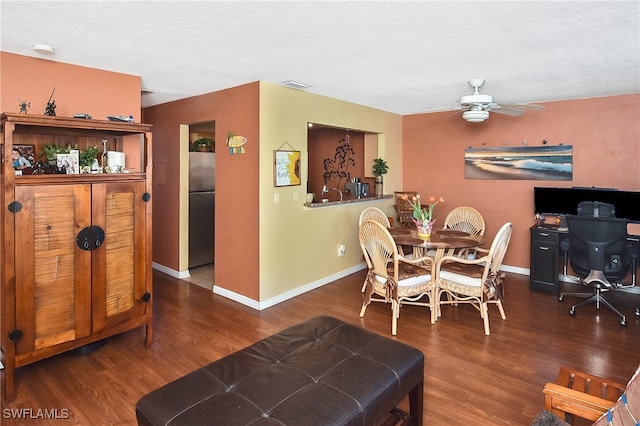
(470, 378)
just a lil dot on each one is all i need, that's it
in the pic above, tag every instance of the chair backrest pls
(378, 247)
(403, 208)
(596, 209)
(499, 248)
(376, 214)
(466, 219)
(599, 244)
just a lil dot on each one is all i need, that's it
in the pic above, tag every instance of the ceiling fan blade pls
(514, 105)
(508, 111)
(459, 112)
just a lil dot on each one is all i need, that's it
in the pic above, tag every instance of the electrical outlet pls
(341, 250)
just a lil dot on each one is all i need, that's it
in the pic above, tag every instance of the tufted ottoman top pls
(322, 371)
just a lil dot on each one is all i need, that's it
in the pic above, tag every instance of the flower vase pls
(424, 229)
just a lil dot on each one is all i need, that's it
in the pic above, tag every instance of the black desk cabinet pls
(545, 258)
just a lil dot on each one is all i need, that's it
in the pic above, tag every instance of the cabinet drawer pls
(544, 236)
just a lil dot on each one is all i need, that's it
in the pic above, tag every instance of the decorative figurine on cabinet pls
(51, 105)
(23, 106)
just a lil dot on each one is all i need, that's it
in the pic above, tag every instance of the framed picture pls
(23, 154)
(69, 161)
(286, 169)
(520, 163)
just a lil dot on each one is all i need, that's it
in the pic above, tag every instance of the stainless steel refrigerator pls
(202, 190)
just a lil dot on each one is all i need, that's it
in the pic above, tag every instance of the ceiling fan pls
(476, 107)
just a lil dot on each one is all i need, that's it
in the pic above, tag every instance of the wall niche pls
(329, 157)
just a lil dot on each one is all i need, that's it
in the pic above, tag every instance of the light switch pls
(276, 198)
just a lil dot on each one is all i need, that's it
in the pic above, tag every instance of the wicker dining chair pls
(403, 208)
(465, 219)
(475, 281)
(393, 278)
(376, 214)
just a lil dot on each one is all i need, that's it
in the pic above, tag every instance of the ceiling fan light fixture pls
(476, 99)
(475, 116)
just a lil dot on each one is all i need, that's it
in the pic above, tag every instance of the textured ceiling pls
(403, 57)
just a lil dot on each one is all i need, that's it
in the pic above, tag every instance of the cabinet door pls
(119, 265)
(53, 275)
(544, 261)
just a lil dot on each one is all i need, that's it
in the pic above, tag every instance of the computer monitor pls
(564, 201)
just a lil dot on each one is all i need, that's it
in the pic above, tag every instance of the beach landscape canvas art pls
(520, 163)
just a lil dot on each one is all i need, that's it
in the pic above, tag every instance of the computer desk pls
(549, 256)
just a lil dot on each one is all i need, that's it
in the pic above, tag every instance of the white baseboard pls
(244, 300)
(254, 304)
(171, 272)
(288, 295)
(515, 269)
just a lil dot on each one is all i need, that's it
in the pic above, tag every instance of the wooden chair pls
(475, 281)
(393, 278)
(376, 214)
(403, 208)
(580, 394)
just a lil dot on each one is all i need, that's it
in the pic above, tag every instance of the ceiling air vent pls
(295, 84)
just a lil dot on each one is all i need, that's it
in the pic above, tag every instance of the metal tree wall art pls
(337, 168)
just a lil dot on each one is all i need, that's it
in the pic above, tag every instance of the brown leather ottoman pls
(322, 371)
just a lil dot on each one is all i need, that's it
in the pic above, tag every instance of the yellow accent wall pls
(298, 245)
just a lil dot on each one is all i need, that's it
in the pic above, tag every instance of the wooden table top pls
(440, 239)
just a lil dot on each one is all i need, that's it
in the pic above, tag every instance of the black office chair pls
(598, 255)
(590, 209)
(596, 209)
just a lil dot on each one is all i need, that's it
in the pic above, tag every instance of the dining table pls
(442, 241)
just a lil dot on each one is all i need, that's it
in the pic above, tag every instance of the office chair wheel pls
(561, 299)
(638, 312)
(623, 322)
(572, 311)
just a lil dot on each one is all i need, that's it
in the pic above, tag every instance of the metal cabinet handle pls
(90, 238)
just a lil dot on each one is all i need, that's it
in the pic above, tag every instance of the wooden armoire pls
(76, 248)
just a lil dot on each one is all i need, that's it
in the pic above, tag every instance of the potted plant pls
(51, 150)
(88, 157)
(204, 145)
(380, 168)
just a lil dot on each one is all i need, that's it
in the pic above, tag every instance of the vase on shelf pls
(424, 228)
(378, 186)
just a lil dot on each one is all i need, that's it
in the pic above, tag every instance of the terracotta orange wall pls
(236, 236)
(321, 144)
(604, 133)
(77, 89)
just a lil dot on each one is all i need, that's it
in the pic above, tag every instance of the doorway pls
(201, 203)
